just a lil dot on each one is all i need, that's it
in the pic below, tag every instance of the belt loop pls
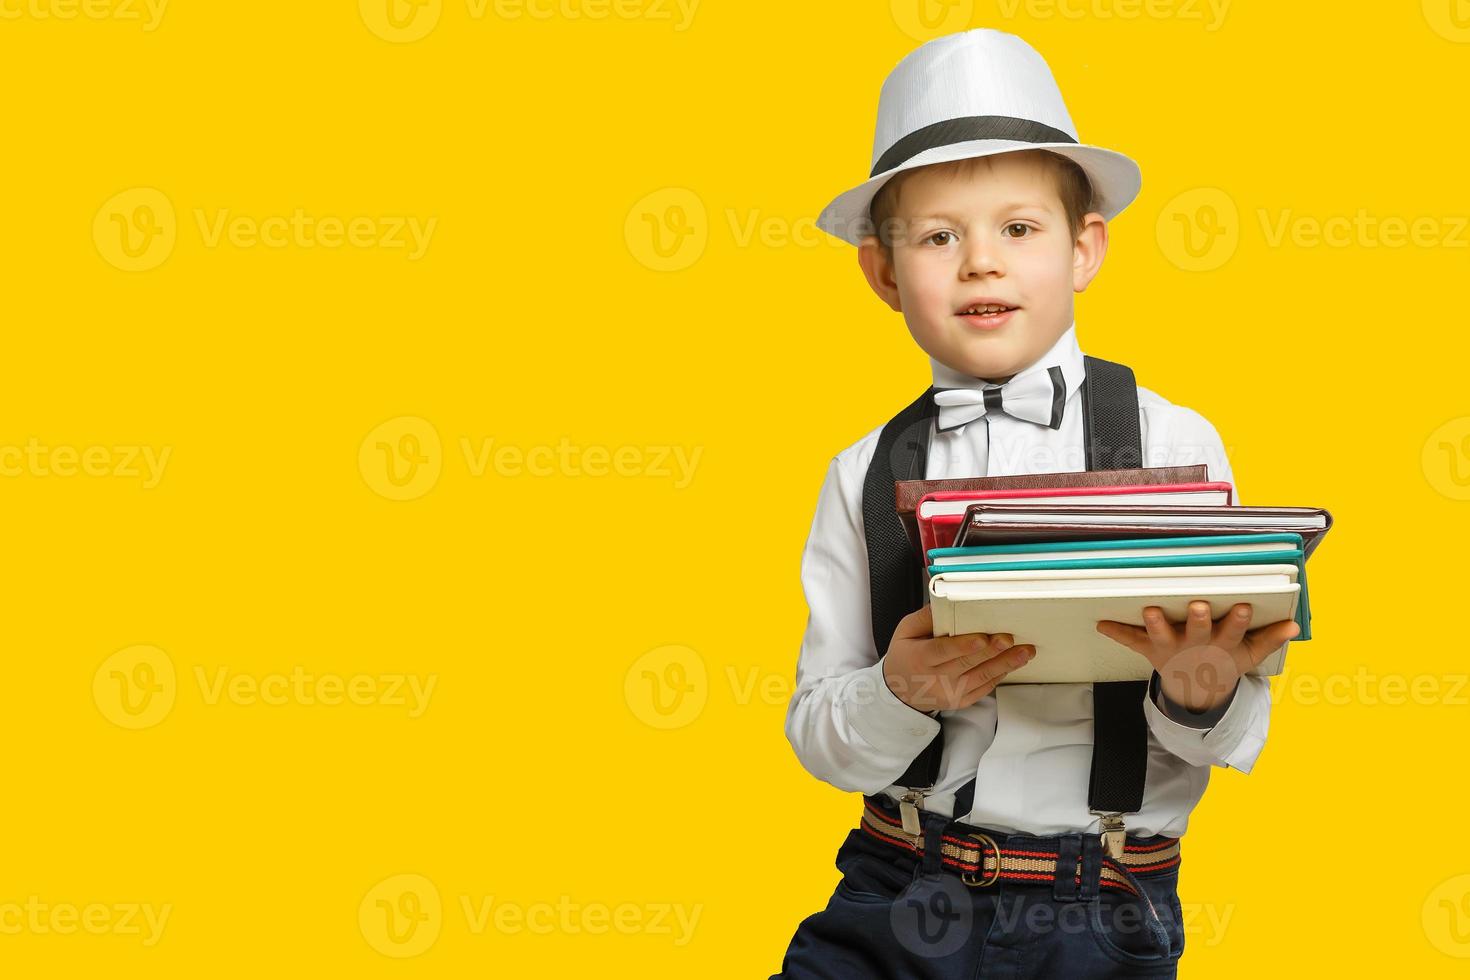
(934, 829)
(1091, 884)
(1069, 849)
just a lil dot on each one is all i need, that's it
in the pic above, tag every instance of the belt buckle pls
(968, 877)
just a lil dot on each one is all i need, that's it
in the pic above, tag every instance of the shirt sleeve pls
(847, 726)
(1233, 733)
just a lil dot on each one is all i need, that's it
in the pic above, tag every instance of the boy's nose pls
(981, 257)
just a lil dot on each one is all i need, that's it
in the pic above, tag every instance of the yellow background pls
(624, 257)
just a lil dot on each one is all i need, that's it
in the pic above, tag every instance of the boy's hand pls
(929, 672)
(1200, 663)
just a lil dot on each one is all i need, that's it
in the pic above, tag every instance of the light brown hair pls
(1073, 187)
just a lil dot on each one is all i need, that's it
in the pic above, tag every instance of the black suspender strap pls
(895, 577)
(1111, 434)
(1112, 440)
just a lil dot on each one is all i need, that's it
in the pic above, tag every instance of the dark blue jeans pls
(893, 917)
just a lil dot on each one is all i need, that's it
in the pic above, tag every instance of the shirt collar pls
(1065, 353)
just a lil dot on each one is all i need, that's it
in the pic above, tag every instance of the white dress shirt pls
(1028, 745)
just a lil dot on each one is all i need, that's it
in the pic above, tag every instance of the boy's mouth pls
(987, 312)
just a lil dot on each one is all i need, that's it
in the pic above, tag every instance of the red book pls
(940, 515)
(907, 493)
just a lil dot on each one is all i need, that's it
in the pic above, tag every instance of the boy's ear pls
(1089, 249)
(879, 271)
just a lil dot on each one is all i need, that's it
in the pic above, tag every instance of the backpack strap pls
(1112, 439)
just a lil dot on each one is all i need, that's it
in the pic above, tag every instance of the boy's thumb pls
(920, 622)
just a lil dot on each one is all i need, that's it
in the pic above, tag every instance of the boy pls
(983, 216)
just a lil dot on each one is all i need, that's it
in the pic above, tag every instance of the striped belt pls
(981, 862)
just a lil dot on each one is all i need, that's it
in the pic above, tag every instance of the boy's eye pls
(1019, 229)
(932, 237)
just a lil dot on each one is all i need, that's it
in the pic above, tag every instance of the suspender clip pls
(1113, 835)
(909, 806)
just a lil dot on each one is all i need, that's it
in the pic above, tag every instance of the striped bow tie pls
(1036, 396)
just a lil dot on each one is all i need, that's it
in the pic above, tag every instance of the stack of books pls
(1046, 556)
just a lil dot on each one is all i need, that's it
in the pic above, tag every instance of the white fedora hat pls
(974, 94)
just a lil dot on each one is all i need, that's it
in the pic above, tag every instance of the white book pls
(1058, 610)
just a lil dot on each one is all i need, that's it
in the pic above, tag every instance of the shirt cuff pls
(1189, 718)
(896, 731)
(1234, 739)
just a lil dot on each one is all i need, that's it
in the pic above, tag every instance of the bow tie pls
(1036, 396)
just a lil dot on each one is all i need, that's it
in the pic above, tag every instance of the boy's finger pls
(1160, 633)
(1133, 637)
(945, 649)
(1265, 640)
(1233, 626)
(969, 648)
(1197, 624)
(997, 667)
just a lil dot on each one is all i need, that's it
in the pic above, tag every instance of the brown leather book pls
(984, 523)
(908, 492)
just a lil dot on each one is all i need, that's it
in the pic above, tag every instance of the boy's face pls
(995, 234)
